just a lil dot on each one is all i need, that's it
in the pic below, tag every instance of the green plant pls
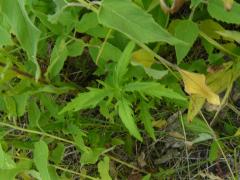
(84, 81)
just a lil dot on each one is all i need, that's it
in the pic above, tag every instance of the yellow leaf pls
(194, 106)
(228, 4)
(195, 83)
(143, 57)
(237, 133)
(159, 124)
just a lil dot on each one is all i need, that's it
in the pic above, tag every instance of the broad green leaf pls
(58, 57)
(10, 174)
(91, 156)
(147, 119)
(153, 89)
(143, 57)
(76, 48)
(6, 161)
(216, 10)
(155, 74)
(103, 168)
(86, 100)
(187, 31)
(5, 37)
(40, 157)
(27, 34)
(88, 21)
(121, 67)
(126, 114)
(210, 28)
(133, 21)
(57, 154)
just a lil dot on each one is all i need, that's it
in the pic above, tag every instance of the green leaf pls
(214, 152)
(6, 161)
(187, 31)
(58, 57)
(126, 115)
(103, 168)
(132, 21)
(147, 118)
(27, 34)
(57, 154)
(197, 126)
(209, 27)
(34, 114)
(40, 157)
(88, 21)
(91, 156)
(76, 48)
(21, 166)
(153, 89)
(86, 100)
(123, 62)
(216, 10)
(5, 37)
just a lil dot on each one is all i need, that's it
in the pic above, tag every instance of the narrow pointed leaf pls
(126, 115)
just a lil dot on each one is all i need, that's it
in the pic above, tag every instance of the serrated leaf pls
(187, 31)
(126, 114)
(143, 57)
(153, 89)
(103, 168)
(195, 83)
(132, 21)
(40, 157)
(216, 10)
(147, 119)
(27, 34)
(86, 100)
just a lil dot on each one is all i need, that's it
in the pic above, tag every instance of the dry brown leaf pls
(195, 83)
